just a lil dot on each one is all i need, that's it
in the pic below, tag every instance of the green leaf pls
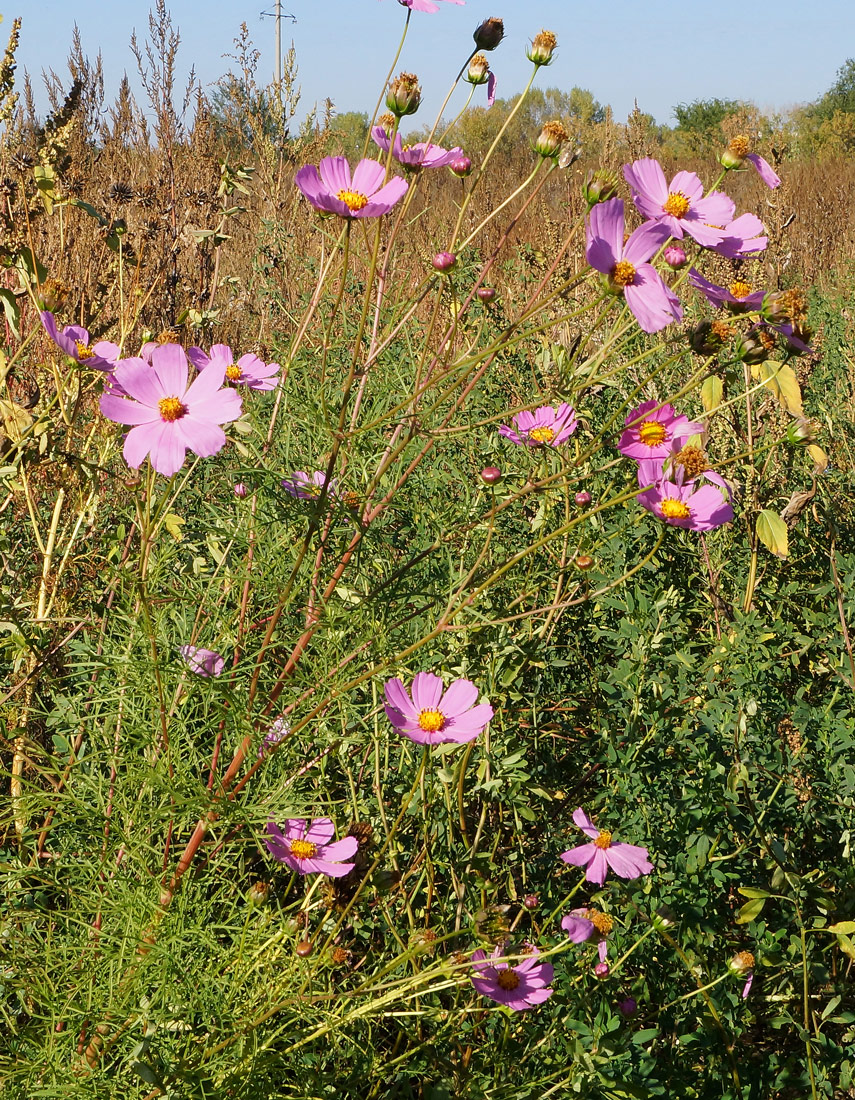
(750, 911)
(772, 532)
(45, 178)
(753, 892)
(10, 308)
(711, 392)
(846, 946)
(843, 927)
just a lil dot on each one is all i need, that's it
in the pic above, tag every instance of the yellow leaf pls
(711, 392)
(781, 380)
(173, 525)
(819, 456)
(15, 420)
(772, 532)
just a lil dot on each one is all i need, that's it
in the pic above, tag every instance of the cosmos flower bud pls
(531, 901)
(479, 70)
(491, 474)
(584, 562)
(602, 970)
(628, 1006)
(663, 918)
(600, 185)
(404, 95)
(708, 337)
(461, 166)
(444, 261)
(801, 432)
(259, 892)
(489, 34)
(304, 948)
(583, 498)
(542, 47)
(675, 256)
(486, 294)
(551, 138)
(241, 490)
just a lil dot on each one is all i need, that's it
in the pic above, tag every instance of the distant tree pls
(349, 130)
(840, 96)
(699, 122)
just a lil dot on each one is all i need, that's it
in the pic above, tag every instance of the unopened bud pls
(491, 474)
(602, 970)
(628, 1006)
(461, 166)
(663, 918)
(531, 901)
(259, 892)
(241, 490)
(304, 948)
(444, 261)
(486, 294)
(489, 34)
(600, 185)
(550, 139)
(751, 349)
(404, 95)
(583, 498)
(584, 562)
(542, 48)
(479, 70)
(675, 256)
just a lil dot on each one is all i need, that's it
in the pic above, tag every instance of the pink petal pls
(139, 381)
(320, 831)
(580, 818)
(628, 860)
(651, 301)
(644, 241)
(458, 697)
(340, 849)
(598, 867)
(138, 443)
(688, 184)
(765, 170)
(200, 436)
(368, 178)
(426, 691)
(127, 412)
(335, 174)
(397, 697)
(580, 856)
(604, 235)
(650, 188)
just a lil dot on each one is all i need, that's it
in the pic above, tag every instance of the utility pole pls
(279, 46)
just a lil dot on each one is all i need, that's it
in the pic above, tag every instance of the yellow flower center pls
(652, 433)
(675, 509)
(677, 204)
(623, 273)
(508, 979)
(604, 840)
(83, 352)
(171, 409)
(233, 372)
(432, 721)
(303, 849)
(742, 961)
(354, 200)
(740, 146)
(739, 289)
(601, 921)
(542, 435)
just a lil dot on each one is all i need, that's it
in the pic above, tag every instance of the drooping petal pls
(581, 819)
(652, 303)
(765, 170)
(604, 234)
(579, 929)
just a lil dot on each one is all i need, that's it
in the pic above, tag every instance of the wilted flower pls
(168, 415)
(331, 189)
(582, 924)
(249, 370)
(738, 297)
(550, 139)
(309, 486)
(709, 337)
(425, 5)
(74, 341)
(204, 662)
(489, 34)
(542, 427)
(479, 73)
(308, 847)
(433, 716)
(420, 155)
(602, 854)
(404, 95)
(542, 48)
(277, 732)
(518, 987)
(651, 428)
(681, 205)
(738, 152)
(742, 964)
(680, 503)
(625, 265)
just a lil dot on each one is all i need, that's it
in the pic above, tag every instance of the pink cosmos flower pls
(680, 205)
(204, 662)
(425, 5)
(420, 155)
(651, 430)
(308, 847)
(309, 486)
(602, 854)
(433, 716)
(519, 987)
(685, 463)
(742, 237)
(680, 502)
(331, 189)
(249, 370)
(739, 297)
(653, 304)
(585, 924)
(765, 170)
(542, 427)
(74, 341)
(170, 416)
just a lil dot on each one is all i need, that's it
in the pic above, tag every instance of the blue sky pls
(777, 53)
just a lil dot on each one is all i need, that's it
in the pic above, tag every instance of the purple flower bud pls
(461, 166)
(602, 969)
(241, 490)
(628, 1006)
(486, 294)
(583, 498)
(491, 474)
(531, 901)
(444, 261)
(675, 256)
